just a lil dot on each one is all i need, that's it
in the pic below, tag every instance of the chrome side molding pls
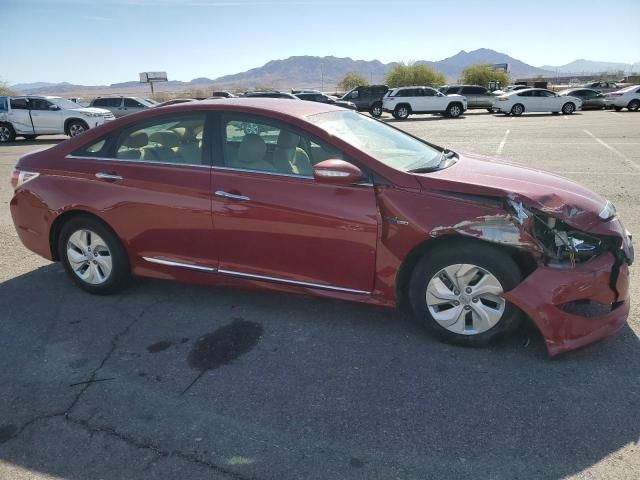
(251, 276)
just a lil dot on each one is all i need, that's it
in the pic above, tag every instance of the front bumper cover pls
(544, 293)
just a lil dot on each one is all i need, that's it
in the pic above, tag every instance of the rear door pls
(20, 115)
(273, 224)
(131, 105)
(151, 183)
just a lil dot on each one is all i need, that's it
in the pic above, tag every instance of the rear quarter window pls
(3, 104)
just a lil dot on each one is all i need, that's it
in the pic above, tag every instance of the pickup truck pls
(31, 116)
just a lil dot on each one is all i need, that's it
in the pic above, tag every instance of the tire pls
(633, 106)
(30, 137)
(617, 109)
(94, 254)
(402, 112)
(459, 323)
(454, 110)
(7, 133)
(568, 108)
(76, 127)
(376, 110)
(517, 110)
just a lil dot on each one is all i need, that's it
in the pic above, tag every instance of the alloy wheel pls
(75, 129)
(568, 108)
(89, 257)
(376, 111)
(465, 299)
(454, 111)
(403, 112)
(5, 134)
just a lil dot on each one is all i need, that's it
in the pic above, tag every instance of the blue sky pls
(106, 41)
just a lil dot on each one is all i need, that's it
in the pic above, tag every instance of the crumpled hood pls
(555, 195)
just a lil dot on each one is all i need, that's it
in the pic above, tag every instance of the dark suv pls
(477, 96)
(367, 98)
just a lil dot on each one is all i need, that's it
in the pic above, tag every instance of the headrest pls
(252, 149)
(136, 140)
(287, 139)
(165, 138)
(180, 131)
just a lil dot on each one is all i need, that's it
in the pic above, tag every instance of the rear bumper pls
(548, 295)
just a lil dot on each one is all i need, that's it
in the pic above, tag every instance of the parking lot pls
(150, 383)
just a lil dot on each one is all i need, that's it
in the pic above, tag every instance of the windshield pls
(378, 140)
(64, 103)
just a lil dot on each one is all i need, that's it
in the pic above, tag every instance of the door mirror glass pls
(336, 172)
(54, 107)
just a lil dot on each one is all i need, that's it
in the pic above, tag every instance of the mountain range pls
(321, 72)
(587, 67)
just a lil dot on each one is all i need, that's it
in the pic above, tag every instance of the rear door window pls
(3, 104)
(131, 103)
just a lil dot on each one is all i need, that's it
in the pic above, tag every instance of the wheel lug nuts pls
(456, 303)
(467, 307)
(474, 299)
(456, 292)
(468, 289)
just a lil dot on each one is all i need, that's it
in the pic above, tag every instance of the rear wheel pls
(454, 110)
(568, 108)
(517, 109)
(456, 291)
(93, 256)
(76, 127)
(634, 105)
(401, 112)
(376, 110)
(7, 133)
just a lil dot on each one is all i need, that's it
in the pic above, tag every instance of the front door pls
(45, 120)
(273, 222)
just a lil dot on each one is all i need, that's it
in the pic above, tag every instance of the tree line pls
(407, 74)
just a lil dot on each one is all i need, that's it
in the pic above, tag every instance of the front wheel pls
(634, 105)
(77, 127)
(456, 292)
(454, 110)
(93, 256)
(376, 110)
(568, 108)
(7, 133)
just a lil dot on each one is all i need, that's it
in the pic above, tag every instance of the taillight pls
(19, 178)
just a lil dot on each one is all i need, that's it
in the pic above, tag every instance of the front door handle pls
(108, 176)
(220, 193)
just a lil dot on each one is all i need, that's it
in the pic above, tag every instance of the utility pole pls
(322, 76)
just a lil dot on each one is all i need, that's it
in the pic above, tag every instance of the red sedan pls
(310, 198)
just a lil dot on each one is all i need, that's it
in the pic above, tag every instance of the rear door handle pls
(233, 196)
(108, 176)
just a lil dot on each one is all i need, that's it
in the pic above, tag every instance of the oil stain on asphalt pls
(223, 346)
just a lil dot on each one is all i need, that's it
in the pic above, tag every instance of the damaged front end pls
(579, 293)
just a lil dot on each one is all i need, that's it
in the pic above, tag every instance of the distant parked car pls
(367, 98)
(304, 90)
(31, 116)
(121, 106)
(628, 97)
(322, 98)
(152, 101)
(536, 100)
(402, 102)
(477, 96)
(602, 86)
(511, 88)
(223, 94)
(270, 95)
(590, 98)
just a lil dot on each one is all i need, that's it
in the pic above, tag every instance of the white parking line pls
(621, 155)
(504, 140)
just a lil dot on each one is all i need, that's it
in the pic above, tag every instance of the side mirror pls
(54, 107)
(336, 172)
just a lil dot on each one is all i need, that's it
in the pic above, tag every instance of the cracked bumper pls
(543, 294)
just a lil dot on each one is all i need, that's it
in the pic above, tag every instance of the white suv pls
(31, 116)
(628, 97)
(402, 102)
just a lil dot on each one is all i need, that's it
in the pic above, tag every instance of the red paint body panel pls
(541, 294)
(354, 237)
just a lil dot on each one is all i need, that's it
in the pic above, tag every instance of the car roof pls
(258, 104)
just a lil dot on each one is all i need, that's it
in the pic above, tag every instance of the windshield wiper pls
(445, 156)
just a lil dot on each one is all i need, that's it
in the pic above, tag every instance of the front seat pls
(288, 157)
(132, 145)
(166, 143)
(251, 153)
